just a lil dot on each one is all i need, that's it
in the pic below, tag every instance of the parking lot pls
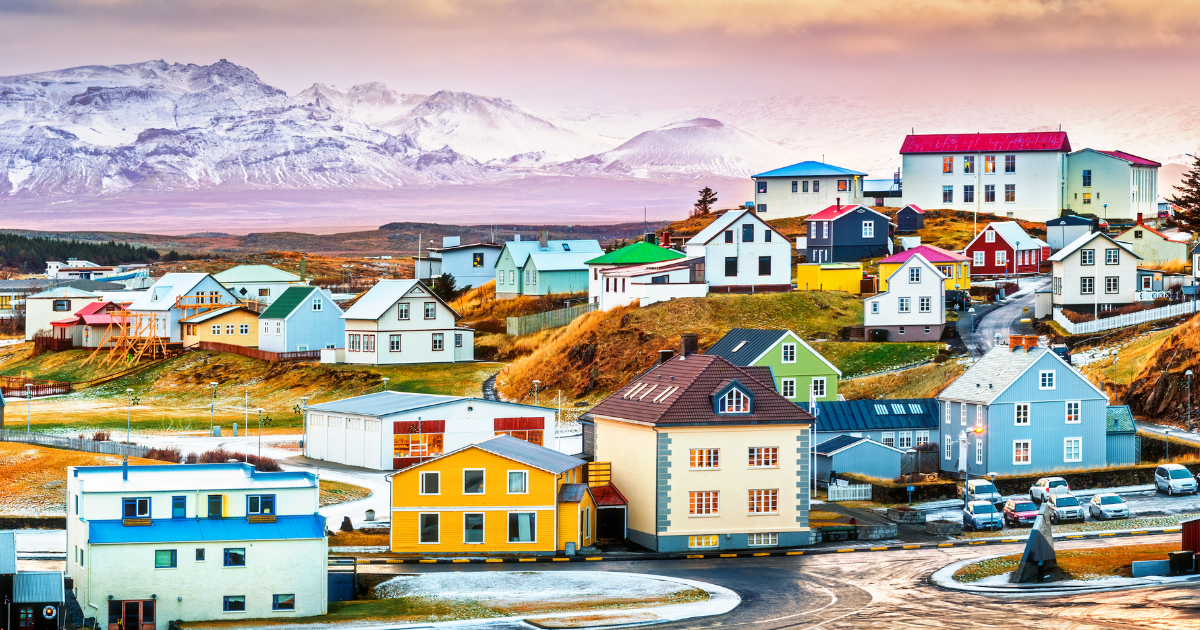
(1143, 501)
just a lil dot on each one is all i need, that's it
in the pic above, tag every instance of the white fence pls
(73, 443)
(1121, 321)
(854, 492)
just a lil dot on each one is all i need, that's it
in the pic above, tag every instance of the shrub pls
(173, 455)
(221, 456)
(101, 436)
(192, 458)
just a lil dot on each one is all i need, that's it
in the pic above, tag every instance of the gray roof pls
(520, 250)
(833, 445)
(756, 341)
(529, 454)
(1120, 419)
(572, 492)
(8, 553)
(1084, 239)
(38, 587)
(384, 403)
(874, 415)
(29, 284)
(59, 293)
(991, 374)
(1070, 219)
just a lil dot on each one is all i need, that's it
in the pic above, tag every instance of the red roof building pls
(986, 142)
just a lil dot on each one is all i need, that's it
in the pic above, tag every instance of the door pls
(131, 615)
(25, 617)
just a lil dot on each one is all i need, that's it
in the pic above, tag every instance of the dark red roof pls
(608, 495)
(1130, 157)
(980, 142)
(679, 391)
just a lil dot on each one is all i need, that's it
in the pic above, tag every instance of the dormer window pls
(734, 401)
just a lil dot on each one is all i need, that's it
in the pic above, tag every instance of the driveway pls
(1003, 319)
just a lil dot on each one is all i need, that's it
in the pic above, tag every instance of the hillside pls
(1158, 390)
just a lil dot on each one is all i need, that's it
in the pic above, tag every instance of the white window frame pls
(1078, 412)
(762, 453)
(787, 387)
(1115, 281)
(1042, 380)
(818, 387)
(949, 446)
(714, 451)
(1028, 453)
(1068, 444)
(1001, 257)
(1087, 257)
(978, 451)
(989, 236)
(716, 503)
(963, 412)
(762, 539)
(925, 305)
(1112, 256)
(421, 483)
(464, 527)
(904, 305)
(904, 439)
(948, 411)
(786, 350)
(1017, 414)
(875, 307)
(914, 275)
(464, 482)
(922, 437)
(701, 541)
(978, 415)
(508, 536)
(439, 528)
(980, 258)
(888, 438)
(868, 229)
(524, 481)
(769, 495)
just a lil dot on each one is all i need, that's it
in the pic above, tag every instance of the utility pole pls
(211, 406)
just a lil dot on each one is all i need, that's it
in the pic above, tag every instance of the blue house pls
(858, 455)
(472, 265)
(848, 233)
(1122, 442)
(301, 318)
(882, 426)
(1022, 410)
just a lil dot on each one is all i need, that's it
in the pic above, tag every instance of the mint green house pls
(544, 267)
(795, 367)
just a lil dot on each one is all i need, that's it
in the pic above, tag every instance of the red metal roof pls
(980, 142)
(931, 253)
(1129, 157)
(832, 212)
(608, 495)
(70, 321)
(914, 207)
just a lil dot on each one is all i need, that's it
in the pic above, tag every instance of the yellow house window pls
(701, 542)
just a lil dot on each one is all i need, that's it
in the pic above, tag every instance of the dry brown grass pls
(1177, 266)
(358, 538)
(923, 381)
(1158, 391)
(33, 479)
(335, 492)
(1076, 564)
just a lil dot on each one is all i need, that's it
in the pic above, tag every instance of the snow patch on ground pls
(524, 587)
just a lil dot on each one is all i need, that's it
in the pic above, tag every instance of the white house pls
(743, 254)
(1018, 175)
(805, 188)
(1094, 273)
(1153, 246)
(77, 269)
(178, 295)
(301, 318)
(196, 542)
(913, 307)
(263, 283)
(648, 283)
(1112, 184)
(54, 304)
(402, 321)
(394, 430)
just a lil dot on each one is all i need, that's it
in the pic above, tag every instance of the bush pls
(101, 436)
(192, 458)
(173, 455)
(221, 456)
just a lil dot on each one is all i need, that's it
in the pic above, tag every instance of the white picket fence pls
(74, 443)
(852, 492)
(1121, 321)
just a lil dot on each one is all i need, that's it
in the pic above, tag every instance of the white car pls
(982, 490)
(1047, 486)
(1108, 505)
(1174, 479)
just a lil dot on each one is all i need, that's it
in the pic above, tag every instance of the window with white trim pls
(875, 307)
(734, 402)
(707, 541)
(788, 351)
(978, 415)
(963, 409)
(905, 440)
(922, 437)
(704, 458)
(904, 305)
(1112, 257)
(888, 438)
(989, 236)
(868, 229)
(1020, 453)
(949, 444)
(1073, 416)
(914, 275)
(925, 305)
(947, 403)
(980, 259)
(787, 387)
(1072, 449)
(1046, 379)
(704, 503)
(978, 452)
(762, 540)
(1022, 418)
(1001, 258)
(818, 387)
(764, 456)
(763, 502)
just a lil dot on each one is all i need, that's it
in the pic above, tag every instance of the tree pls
(443, 286)
(1188, 198)
(708, 198)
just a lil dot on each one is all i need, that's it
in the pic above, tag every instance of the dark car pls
(1020, 512)
(958, 300)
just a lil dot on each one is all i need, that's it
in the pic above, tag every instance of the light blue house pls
(1022, 410)
(301, 318)
(544, 267)
(858, 455)
(1123, 445)
(472, 265)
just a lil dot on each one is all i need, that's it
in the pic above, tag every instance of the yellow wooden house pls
(830, 277)
(954, 266)
(234, 325)
(501, 495)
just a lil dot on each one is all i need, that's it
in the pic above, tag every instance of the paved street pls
(1004, 318)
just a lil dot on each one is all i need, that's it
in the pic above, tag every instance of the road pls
(1001, 321)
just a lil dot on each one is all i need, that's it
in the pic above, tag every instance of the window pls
(235, 557)
(368, 343)
(473, 528)
(762, 540)
(817, 188)
(926, 306)
(978, 452)
(843, 185)
(888, 438)
(512, 276)
(1112, 284)
(1073, 416)
(278, 326)
(216, 329)
(1112, 256)
(1010, 193)
(522, 527)
(989, 193)
(704, 458)
(818, 387)
(1087, 199)
(764, 502)
(949, 444)
(874, 308)
(1087, 178)
(730, 266)
(734, 402)
(1001, 258)
(473, 481)
(825, 229)
(566, 247)
(968, 164)
(789, 352)
(164, 559)
(430, 310)
(947, 165)
(747, 233)
(980, 258)
(795, 186)
(417, 444)
(518, 482)
(431, 483)
(969, 193)
(394, 343)
(922, 437)
(914, 275)
(764, 265)
(200, 555)
(764, 456)
(702, 542)
(402, 309)
(1022, 418)
(989, 236)
(947, 194)
(62, 305)
(439, 341)
(266, 328)
(178, 507)
(234, 603)
(283, 602)
(1046, 379)
(354, 342)
(787, 387)
(900, 330)
(429, 528)
(135, 508)
(244, 329)
(1087, 256)
(260, 504)
(978, 415)
(804, 186)
(766, 233)
(216, 505)
(868, 229)
(905, 439)
(947, 412)
(703, 503)
(229, 329)
(962, 407)
(1147, 283)
(457, 340)
(1010, 164)
(1057, 286)
(762, 187)
(989, 164)
(904, 304)
(1087, 286)
(1073, 449)
(728, 236)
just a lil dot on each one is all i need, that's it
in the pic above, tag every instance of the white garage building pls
(394, 430)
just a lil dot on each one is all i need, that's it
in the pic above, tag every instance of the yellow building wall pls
(960, 274)
(203, 330)
(631, 450)
(829, 277)
(569, 515)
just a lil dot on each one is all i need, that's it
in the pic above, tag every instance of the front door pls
(131, 615)
(25, 617)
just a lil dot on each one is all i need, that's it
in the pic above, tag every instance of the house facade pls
(954, 266)
(1019, 175)
(234, 325)
(261, 283)
(798, 372)
(301, 318)
(140, 539)
(88, 328)
(1021, 410)
(1112, 184)
(178, 295)
(1064, 230)
(913, 308)
(848, 233)
(1155, 247)
(1094, 273)
(544, 267)
(500, 495)
(910, 218)
(1004, 249)
(805, 188)
(649, 283)
(472, 265)
(47, 306)
(742, 254)
(708, 456)
(402, 321)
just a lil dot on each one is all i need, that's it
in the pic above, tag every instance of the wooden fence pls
(263, 355)
(1122, 321)
(550, 319)
(73, 443)
(852, 492)
(15, 387)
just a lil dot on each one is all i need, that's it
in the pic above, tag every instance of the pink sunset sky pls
(642, 53)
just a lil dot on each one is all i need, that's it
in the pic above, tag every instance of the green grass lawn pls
(859, 358)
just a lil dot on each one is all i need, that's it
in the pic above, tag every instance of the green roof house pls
(795, 367)
(256, 282)
(645, 272)
(302, 318)
(544, 266)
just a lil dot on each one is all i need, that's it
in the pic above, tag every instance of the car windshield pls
(1057, 484)
(1111, 501)
(1066, 501)
(1025, 507)
(984, 488)
(983, 509)
(1180, 474)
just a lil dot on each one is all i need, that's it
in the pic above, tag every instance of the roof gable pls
(1070, 219)
(161, 295)
(1062, 254)
(254, 273)
(1011, 233)
(930, 252)
(994, 373)
(835, 212)
(915, 260)
(723, 222)
(912, 207)
(288, 301)
(516, 450)
(214, 314)
(1119, 419)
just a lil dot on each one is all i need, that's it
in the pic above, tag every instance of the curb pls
(758, 554)
(943, 578)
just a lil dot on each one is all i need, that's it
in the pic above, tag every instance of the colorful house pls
(178, 295)
(640, 253)
(234, 325)
(32, 600)
(847, 233)
(742, 253)
(1005, 249)
(1153, 246)
(1124, 182)
(829, 277)
(956, 267)
(802, 189)
(912, 309)
(262, 283)
(88, 327)
(543, 267)
(301, 318)
(794, 367)
(501, 495)
(910, 218)
(402, 321)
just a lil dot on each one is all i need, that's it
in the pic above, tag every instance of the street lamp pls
(1016, 252)
(28, 402)
(971, 329)
(535, 392)
(1167, 436)
(1106, 213)
(1189, 375)
(385, 380)
(128, 415)
(211, 405)
(967, 454)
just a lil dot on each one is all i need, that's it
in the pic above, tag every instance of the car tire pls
(1170, 491)
(1053, 520)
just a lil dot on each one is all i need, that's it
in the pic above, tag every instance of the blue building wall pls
(460, 263)
(934, 435)
(864, 458)
(1121, 449)
(315, 329)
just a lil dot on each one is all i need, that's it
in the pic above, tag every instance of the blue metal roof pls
(8, 553)
(572, 492)
(1071, 219)
(741, 346)
(38, 587)
(207, 529)
(873, 415)
(833, 445)
(809, 169)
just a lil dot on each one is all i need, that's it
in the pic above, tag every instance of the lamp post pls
(1106, 215)
(28, 402)
(385, 380)
(128, 416)
(971, 329)
(1167, 447)
(967, 469)
(211, 406)
(1189, 376)
(1016, 252)
(304, 418)
(535, 392)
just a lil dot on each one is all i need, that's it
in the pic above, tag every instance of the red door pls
(25, 617)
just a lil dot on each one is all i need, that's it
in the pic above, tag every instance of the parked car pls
(1020, 512)
(1063, 507)
(958, 300)
(982, 490)
(1174, 479)
(1046, 486)
(1108, 505)
(981, 515)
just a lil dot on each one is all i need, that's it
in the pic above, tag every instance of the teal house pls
(544, 266)
(795, 367)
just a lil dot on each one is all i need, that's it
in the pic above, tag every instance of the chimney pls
(1140, 219)
(1028, 342)
(544, 239)
(665, 355)
(689, 344)
(650, 238)
(837, 202)
(516, 238)
(666, 239)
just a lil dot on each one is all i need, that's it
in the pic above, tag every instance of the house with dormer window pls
(708, 455)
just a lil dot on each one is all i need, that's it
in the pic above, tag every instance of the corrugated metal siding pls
(866, 458)
(1121, 449)
(8, 553)
(38, 587)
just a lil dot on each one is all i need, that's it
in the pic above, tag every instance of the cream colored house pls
(708, 456)
(402, 321)
(1153, 246)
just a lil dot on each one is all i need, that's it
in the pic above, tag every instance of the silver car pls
(1063, 507)
(1108, 505)
(1174, 479)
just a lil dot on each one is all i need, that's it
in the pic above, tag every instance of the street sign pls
(911, 488)
(1025, 309)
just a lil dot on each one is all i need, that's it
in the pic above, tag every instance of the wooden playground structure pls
(134, 335)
